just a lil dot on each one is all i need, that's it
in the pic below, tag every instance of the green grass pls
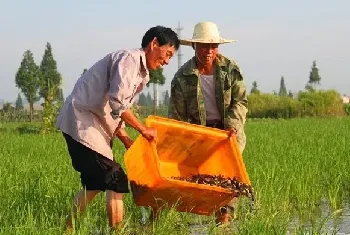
(296, 166)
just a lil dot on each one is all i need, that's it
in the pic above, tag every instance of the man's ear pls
(154, 43)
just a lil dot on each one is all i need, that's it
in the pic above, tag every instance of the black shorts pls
(96, 171)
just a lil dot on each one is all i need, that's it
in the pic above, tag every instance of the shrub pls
(321, 103)
(308, 103)
(347, 109)
(28, 129)
(272, 106)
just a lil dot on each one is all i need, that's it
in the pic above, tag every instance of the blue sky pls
(275, 38)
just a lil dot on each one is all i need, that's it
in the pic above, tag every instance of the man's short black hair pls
(164, 36)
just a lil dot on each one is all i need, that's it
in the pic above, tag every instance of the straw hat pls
(205, 32)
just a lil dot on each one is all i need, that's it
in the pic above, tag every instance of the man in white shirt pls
(96, 110)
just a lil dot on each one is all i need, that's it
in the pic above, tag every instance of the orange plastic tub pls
(182, 149)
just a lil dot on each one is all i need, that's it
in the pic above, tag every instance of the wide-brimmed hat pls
(205, 32)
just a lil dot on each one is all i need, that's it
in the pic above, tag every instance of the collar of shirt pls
(144, 68)
(191, 66)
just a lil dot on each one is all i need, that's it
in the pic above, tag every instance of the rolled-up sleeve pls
(122, 83)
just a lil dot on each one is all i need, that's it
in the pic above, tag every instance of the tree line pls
(44, 81)
(310, 102)
(311, 85)
(148, 100)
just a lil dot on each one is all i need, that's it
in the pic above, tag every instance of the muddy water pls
(199, 230)
(342, 223)
(339, 224)
(334, 224)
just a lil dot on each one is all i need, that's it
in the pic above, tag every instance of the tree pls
(7, 107)
(255, 89)
(50, 89)
(166, 97)
(50, 80)
(314, 78)
(290, 94)
(142, 100)
(283, 89)
(27, 79)
(156, 77)
(149, 99)
(59, 96)
(19, 102)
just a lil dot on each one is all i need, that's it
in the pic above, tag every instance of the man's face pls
(159, 55)
(206, 52)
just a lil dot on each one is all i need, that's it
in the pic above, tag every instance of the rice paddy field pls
(300, 170)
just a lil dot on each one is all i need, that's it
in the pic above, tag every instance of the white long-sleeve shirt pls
(91, 113)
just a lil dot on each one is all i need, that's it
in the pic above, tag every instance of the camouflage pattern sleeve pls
(237, 111)
(177, 107)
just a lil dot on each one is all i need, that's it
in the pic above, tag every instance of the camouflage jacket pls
(187, 102)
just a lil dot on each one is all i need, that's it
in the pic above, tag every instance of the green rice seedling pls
(300, 170)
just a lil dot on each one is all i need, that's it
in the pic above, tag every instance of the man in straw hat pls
(209, 90)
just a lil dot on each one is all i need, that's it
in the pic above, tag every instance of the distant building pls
(36, 106)
(346, 99)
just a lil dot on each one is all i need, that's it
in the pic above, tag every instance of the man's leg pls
(115, 208)
(230, 211)
(227, 212)
(80, 202)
